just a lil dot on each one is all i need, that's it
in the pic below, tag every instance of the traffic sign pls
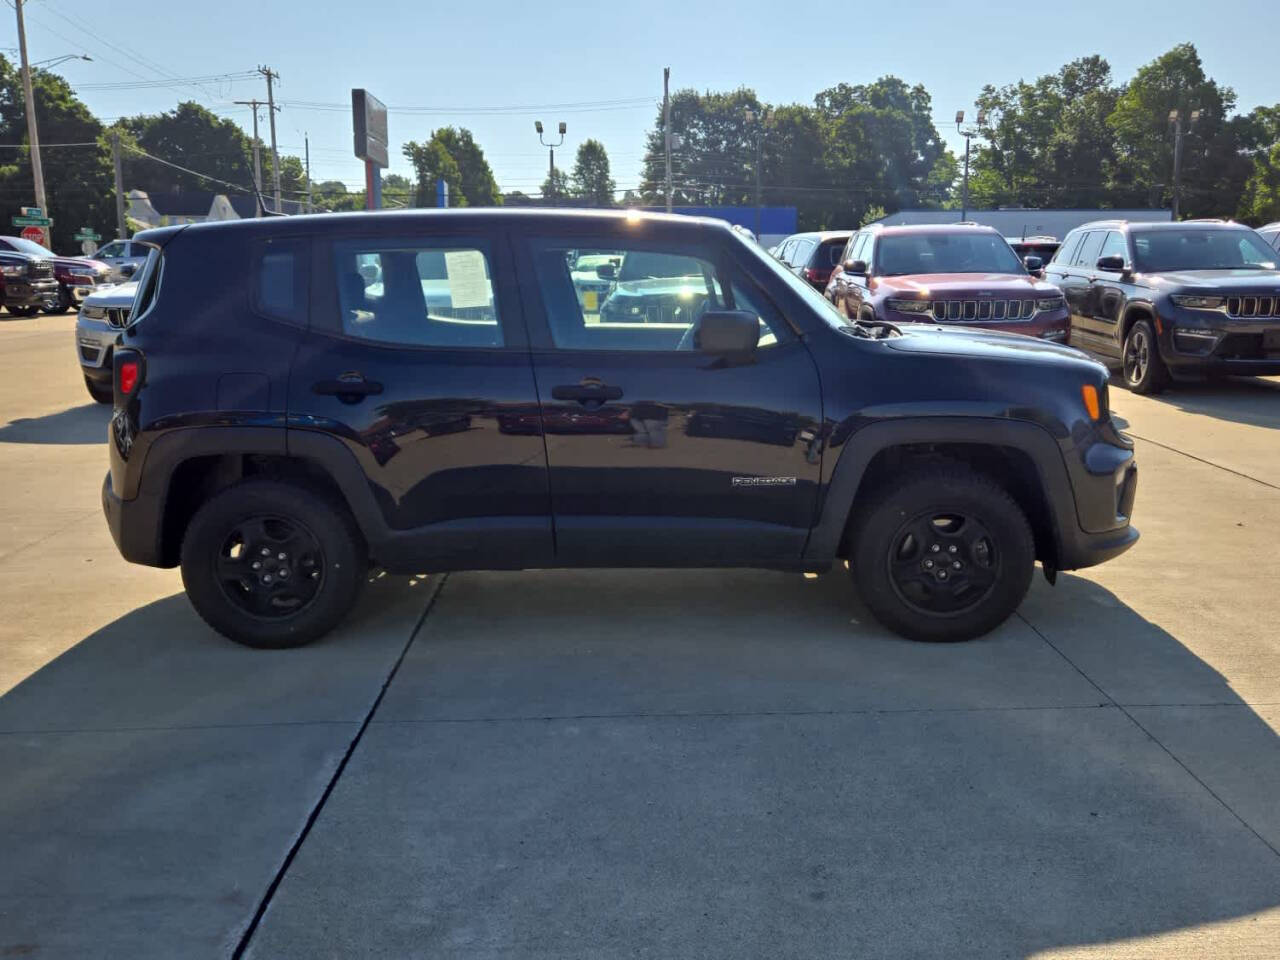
(32, 222)
(86, 233)
(34, 234)
(31, 211)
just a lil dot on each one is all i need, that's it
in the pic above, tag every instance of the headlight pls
(910, 306)
(81, 271)
(14, 270)
(1197, 302)
(1050, 303)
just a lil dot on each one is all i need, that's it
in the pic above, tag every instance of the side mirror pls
(1034, 265)
(1111, 264)
(855, 267)
(728, 332)
(607, 271)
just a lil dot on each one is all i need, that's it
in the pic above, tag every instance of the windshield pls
(642, 265)
(821, 305)
(1159, 251)
(23, 245)
(960, 252)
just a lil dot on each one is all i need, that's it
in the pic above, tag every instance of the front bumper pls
(36, 293)
(94, 342)
(1104, 482)
(1207, 341)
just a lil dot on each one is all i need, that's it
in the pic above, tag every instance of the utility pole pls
(968, 135)
(272, 76)
(1175, 120)
(122, 227)
(306, 142)
(666, 128)
(257, 151)
(758, 122)
(33, 136)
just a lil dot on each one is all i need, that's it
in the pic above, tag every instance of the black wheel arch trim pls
(1074, 547)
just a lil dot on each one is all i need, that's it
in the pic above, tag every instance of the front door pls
(417, 362)
(1107, 296)
(661, 454)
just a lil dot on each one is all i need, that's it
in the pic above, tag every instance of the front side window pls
(1114, 246)
(652, 300)
(1159, 251)
(1087, 252)
(113, 249)
(416, 294)
(967, 251)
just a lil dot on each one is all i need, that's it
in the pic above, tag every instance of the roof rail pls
(1207, 220)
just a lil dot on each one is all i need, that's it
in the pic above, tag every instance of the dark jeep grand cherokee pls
(278, 436)
(1171, 300)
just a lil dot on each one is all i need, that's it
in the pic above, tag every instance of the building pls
(1026, 221)
(194, 206)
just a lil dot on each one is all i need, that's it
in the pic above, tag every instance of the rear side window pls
(1087, 255)
(829, 253)
(149, 284)
(417, 293)
(280, 289)
(1067, 251)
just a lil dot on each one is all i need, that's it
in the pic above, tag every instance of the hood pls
(1215, 280)
(662, 286)
(120, 295)
(984, 344)
(96, 265)
(944, 285)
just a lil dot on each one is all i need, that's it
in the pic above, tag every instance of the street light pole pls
(551, 169)
(1175, 120)
(759, 131)
(33, 136)
(968, 135)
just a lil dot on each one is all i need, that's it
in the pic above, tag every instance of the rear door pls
(1107, 295)
(417, 363)
(1076, 288)
(660, 454)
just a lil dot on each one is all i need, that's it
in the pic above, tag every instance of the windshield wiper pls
(884, 325)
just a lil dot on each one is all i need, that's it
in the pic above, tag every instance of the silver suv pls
(103, 314)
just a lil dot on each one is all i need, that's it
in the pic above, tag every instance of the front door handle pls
(347, 387)
(586, 392)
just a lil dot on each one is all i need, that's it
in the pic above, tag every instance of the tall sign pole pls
(369, 122)
(33, 136)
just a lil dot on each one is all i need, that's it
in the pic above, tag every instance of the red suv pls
(947, 274)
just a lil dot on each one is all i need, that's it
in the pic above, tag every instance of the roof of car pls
(479, 216)
(907, 229)
(1145, 225)
(821, 235)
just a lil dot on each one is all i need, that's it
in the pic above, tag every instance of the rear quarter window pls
(279, 270)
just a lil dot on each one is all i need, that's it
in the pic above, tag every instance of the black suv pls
(332, 408)
(27, 284)
(1172, 300)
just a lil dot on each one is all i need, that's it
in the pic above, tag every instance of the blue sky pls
(497, 66)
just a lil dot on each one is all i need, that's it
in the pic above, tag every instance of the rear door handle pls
(347, 387)
(586, 392)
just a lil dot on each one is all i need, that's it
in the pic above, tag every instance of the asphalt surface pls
(695, 764)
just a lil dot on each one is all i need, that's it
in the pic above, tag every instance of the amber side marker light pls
(1090, 395)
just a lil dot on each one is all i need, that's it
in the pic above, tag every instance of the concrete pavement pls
(644, 763)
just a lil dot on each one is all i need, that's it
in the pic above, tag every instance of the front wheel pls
(24, 311)
(943, 555)
(272, 564)
(63, 304)
(1144, 369)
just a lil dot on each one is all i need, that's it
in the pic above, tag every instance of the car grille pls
(118, 316)
(1249, 307)
(947, 310)
(40, 269)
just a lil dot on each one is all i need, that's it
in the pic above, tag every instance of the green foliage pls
(193, 137)
(1260, 199)
(591, 184)
(78, 180)
(397, 190)
(454, 156)
(555, 188)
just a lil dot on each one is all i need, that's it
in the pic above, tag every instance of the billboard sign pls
(369, 118)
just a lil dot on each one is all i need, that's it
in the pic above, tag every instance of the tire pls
(63, 304)
(100, 392)
(899, 536)
(1142, 367)
(24, 311)
(259, 521)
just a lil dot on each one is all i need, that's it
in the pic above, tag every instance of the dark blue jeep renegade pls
(459, 390)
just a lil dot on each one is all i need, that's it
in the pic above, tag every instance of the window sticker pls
(468, 282)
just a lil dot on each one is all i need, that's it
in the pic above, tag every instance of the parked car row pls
(35, 278)
(1159, 301)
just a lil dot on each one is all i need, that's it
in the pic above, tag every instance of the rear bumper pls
(134, 525)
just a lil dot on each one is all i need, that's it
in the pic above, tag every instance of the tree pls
(1260, 199)
(1214, 171)
(397, 191)
(453, 155)
(555, 188)
(192, 137)
(517, 198)
(78, 180)
(591, 183)
(712, 164)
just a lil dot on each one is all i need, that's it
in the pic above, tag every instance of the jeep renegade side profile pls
(431, 391)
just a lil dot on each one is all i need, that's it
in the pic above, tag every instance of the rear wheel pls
(101, 392)
(272, 564)
(1144, 369)
(24, 311)
(944, 555)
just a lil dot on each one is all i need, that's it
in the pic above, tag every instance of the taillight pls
(810, 273)
(127, 376)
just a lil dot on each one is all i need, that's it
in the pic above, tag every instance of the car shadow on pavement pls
(717, 763)
(85, 424)
(1248, 400)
